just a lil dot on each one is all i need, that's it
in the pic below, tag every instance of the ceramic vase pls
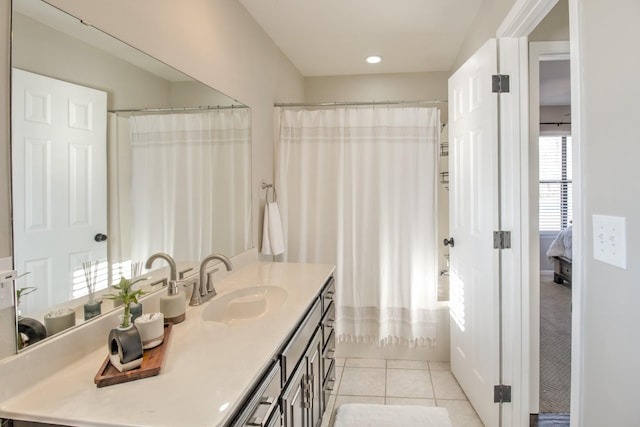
(125, 348)
(151, 328)
(59, 320)
(92, 309)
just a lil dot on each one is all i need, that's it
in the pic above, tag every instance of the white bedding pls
(561, 246)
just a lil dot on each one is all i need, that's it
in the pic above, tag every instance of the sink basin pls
(244, 304)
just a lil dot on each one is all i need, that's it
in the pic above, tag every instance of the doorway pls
(551, 218)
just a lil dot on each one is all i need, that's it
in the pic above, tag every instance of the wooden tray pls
(151, 364)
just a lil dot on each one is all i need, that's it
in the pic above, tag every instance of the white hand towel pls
(272, 236)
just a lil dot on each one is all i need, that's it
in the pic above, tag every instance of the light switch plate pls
(6, 288)
(609, 240)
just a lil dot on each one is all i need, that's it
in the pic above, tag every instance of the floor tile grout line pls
(433, 388)
(386, 362)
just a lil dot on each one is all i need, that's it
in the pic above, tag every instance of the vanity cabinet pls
(301, 376)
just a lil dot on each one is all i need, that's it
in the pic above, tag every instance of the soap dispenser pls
(173, 304)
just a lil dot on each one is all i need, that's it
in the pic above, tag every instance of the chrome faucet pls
(207, 290)
(166, 257)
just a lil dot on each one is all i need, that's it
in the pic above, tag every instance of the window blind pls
(556, 193)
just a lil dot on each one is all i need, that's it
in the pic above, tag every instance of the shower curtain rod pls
(354, 103)
(170, 109)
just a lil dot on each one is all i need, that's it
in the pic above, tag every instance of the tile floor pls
(400, 382)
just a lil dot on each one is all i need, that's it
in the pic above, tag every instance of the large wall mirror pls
(115, 156)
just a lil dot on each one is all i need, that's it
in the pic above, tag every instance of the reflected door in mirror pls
(59, 184)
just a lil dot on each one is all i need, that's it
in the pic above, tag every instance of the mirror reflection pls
(115, 156)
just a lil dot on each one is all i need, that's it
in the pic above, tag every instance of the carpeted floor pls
(555, 346)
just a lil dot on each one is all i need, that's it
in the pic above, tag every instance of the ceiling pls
(333, 37)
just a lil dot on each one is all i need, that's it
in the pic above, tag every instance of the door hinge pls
(501, 239)
(500, 83)
(502, 393)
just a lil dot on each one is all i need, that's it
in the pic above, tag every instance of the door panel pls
(473, 172)
(293, 399)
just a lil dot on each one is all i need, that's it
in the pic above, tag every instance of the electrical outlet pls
(609, 240)
(6, 288)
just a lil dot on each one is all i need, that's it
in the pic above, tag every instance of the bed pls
(560, 254)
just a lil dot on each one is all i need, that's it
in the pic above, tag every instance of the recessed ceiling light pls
(373, 59)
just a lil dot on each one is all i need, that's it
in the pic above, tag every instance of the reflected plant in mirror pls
(133, 166)
(23, 292)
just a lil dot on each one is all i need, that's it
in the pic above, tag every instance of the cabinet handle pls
(264, 400)
(306, 392)
(329, 323)
(331, 382)
(329, 294)
(330, 353)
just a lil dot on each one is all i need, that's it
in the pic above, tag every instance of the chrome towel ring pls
(274, 195)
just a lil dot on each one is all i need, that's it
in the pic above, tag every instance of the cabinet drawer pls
(328, 322)
(329, 348)
(263, 405)
(293, 351)
(328, 293)
(329, 366)
(328, 380)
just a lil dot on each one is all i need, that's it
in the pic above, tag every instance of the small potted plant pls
(127, 296)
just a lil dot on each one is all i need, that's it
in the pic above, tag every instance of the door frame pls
(517, 315)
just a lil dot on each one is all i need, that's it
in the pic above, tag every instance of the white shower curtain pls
(181, 165)
(357, 188)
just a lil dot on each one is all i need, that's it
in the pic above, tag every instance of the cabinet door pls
(314, 365)
(294, 398)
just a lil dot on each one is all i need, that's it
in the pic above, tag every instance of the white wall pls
(610, 149)
(379, 87)
(484, 27)
(555, 114)
(555, 26)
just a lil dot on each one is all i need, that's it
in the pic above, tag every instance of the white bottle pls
(173, 305)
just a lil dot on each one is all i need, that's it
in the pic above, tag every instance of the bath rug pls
(370, 415)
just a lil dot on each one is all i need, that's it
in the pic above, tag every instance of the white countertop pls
(207, 369)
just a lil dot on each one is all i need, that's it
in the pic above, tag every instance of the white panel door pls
(473, 172)
(59, 180)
